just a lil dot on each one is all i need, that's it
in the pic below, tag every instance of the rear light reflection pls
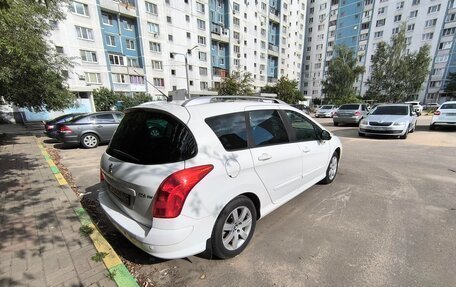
(173, 191)
(65, 129)
(437, 113)
(357, 113)
(102, 178)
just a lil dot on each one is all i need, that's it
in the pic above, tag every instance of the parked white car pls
(390, 120)
(445, 115)
(326, 111)
(179, 177)
(416, 106)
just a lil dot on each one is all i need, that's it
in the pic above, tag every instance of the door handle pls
(306, 150)
(264, 157)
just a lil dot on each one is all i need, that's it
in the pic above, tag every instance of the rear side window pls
(267, 128)
(448, 106)
(230, 130)
(105, 119)
(146, 137)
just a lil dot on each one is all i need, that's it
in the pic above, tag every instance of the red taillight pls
(48, 127)
(170, 196)
(101, 175)
(65, 129)
(357, 113)
(437, 113)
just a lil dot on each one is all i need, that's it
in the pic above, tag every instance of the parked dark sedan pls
(89, 130)
(50, 127)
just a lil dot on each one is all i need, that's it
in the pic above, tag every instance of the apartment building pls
(362, 24)
(159, 46)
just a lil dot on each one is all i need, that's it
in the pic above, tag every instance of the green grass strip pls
(122, 276)
(55, 170)
(47, 157)
(119, 273)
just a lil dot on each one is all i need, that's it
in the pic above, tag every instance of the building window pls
(434, 9)
(116, 60)
(413, 14)
(93, 78)
(137, 80)
(430, 23)
(159, 82)
(127, 25)
(201, 24)
(201, 40)
(204, 85)
(79, 8)
(88, 56)
(427, 36)
(107, 19)
(187, 18)
(397, 18)
(200, 7)
(381, 10)
(415, 2)
(448, 31)
(110, 40)
(130, 44)
(411, 27)
(400, 5)
(132, 62)
(119, 78)
(84, 33)
(153, 28)
(155, 47)
(378, 34)
(157, 65)
(203, 71)
(168, 19)
(236, 21)
(395, 30)
(173, 72)
(202, 56)
(445, 45)
(151, 8)
(380, 23)
(170, 38)
(59, 49)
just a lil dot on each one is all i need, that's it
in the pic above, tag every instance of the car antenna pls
(168, 99)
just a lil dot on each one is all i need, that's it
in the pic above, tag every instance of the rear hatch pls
(148, 146)
(347, 110)
(448, 112)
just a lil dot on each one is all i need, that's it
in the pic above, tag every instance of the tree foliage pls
(30, 69)
(343, 71)
(106, 100)
(397, 75)
(237, 84)
(286, 90)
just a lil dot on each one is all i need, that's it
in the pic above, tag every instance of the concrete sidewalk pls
(40, 241)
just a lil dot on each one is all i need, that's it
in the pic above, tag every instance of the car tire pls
(432, 127)
(361, 134)
(404, 136)
(336, 124)
(231, 233)
(331, 171)
(90, 140)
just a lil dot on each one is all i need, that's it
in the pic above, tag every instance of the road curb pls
(117, 270)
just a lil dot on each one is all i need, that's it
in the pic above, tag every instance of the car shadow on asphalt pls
(450, 129)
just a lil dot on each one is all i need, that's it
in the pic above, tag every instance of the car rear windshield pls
(151, 137)
(391, 110)
(326, 107)
(448, 106)
(349, 107)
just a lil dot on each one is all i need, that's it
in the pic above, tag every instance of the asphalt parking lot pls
(389, 219)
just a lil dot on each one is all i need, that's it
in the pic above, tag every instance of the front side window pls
(303, 129)
(267, 128)
(230, 129)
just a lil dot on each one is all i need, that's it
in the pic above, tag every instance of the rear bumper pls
(324, 115)
(346, 120)
(67, 139)
(186, 240)
(442, 122)
(51, 134)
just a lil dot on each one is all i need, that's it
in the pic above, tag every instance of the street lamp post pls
(186, 68)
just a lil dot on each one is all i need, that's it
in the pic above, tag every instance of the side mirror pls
(325, 135)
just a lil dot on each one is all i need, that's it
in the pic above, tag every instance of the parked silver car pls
(326, 111)
(391, 120)
(89, 130)
(350, 114)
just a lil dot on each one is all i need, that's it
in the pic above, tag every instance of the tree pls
(396, 74)
(106, 100)
(31, 71)
(286, 90)
(343, 71)
(237, 84)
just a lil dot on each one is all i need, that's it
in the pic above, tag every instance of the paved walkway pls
(40, 241)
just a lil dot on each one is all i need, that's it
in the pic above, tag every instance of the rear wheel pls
(336, 124)
(234, 228)
(90, 140)
(361, 134)
(331, 171)
(432, 127)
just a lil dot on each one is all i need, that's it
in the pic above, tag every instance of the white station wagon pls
(181, 177)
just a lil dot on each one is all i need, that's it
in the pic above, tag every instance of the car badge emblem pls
(110, 168)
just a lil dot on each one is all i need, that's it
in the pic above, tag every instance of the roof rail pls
(215, 99)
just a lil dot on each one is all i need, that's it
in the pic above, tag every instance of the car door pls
(277, 161)
(315, 153)
(364, 110)
(105, 125)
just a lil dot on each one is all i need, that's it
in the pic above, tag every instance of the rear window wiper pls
(126, 155)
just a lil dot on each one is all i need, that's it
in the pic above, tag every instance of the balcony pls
(274, 15)
(273, 50)
(219, 73)
(220, 34)
(272, 80)
(124, 7)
